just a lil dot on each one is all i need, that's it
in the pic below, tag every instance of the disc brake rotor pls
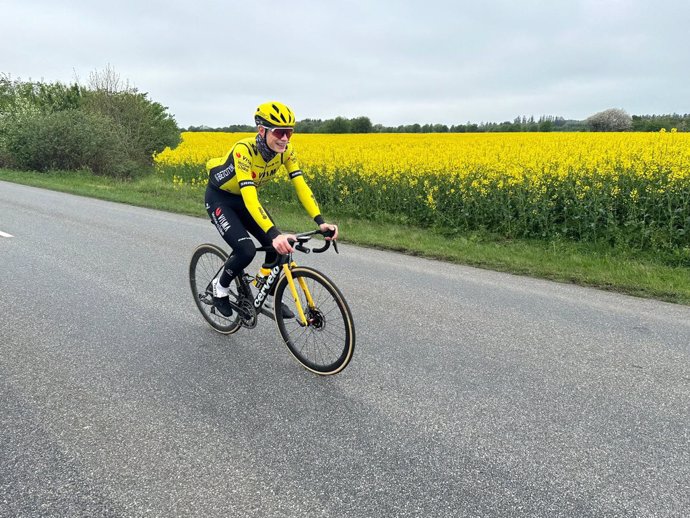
(316, 319)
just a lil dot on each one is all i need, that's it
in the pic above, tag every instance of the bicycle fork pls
(293, 290)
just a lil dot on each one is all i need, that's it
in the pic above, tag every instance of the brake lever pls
(333, 242)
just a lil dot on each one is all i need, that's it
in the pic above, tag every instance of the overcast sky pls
(397, 62)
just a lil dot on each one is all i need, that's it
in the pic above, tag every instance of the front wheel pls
(324, 345)
(207, 262)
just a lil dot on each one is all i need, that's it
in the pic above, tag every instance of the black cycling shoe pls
(283, 308)
(286, 311)
(222, 304)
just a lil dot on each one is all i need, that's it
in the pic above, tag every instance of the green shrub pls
(107, 130)
(143, 125)
(68, 140)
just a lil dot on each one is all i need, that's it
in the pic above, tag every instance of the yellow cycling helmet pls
(274, 115)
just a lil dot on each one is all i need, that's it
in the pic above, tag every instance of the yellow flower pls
(481, 174)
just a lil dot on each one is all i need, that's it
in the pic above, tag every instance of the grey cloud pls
(397, 62)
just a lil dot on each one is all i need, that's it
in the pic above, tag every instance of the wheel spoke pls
(326, 343)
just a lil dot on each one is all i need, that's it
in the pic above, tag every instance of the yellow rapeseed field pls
(619, 187)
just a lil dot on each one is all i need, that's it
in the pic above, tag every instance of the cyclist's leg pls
(255, 230)
(271, 255)
(225, 215)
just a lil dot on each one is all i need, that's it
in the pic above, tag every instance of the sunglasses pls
(279, 133)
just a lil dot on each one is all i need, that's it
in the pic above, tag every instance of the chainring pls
(248, 315)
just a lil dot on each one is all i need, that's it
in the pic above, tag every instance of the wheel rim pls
(326, 344)
(206, 262)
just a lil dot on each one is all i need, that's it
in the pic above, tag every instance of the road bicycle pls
(320, 335)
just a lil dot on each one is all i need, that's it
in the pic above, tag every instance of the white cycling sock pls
(218, 290)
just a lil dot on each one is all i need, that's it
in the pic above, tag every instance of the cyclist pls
(233, 204)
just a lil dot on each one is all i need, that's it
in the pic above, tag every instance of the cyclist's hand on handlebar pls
(327, 227)
(282, 243)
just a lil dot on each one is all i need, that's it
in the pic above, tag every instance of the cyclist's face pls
(275, 143)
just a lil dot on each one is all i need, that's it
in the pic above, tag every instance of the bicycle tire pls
(326, 345)
(206, 261)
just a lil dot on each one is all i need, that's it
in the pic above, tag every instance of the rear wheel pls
(326, 343)
(207, 262)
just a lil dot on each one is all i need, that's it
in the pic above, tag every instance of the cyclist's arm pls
(306, 197)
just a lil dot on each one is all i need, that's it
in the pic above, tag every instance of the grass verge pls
(578, 263)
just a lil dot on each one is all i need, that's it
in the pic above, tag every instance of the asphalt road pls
(471, 392)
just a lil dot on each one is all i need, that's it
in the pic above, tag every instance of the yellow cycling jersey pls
(243, 170)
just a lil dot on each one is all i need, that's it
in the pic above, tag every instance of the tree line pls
(608, 120)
